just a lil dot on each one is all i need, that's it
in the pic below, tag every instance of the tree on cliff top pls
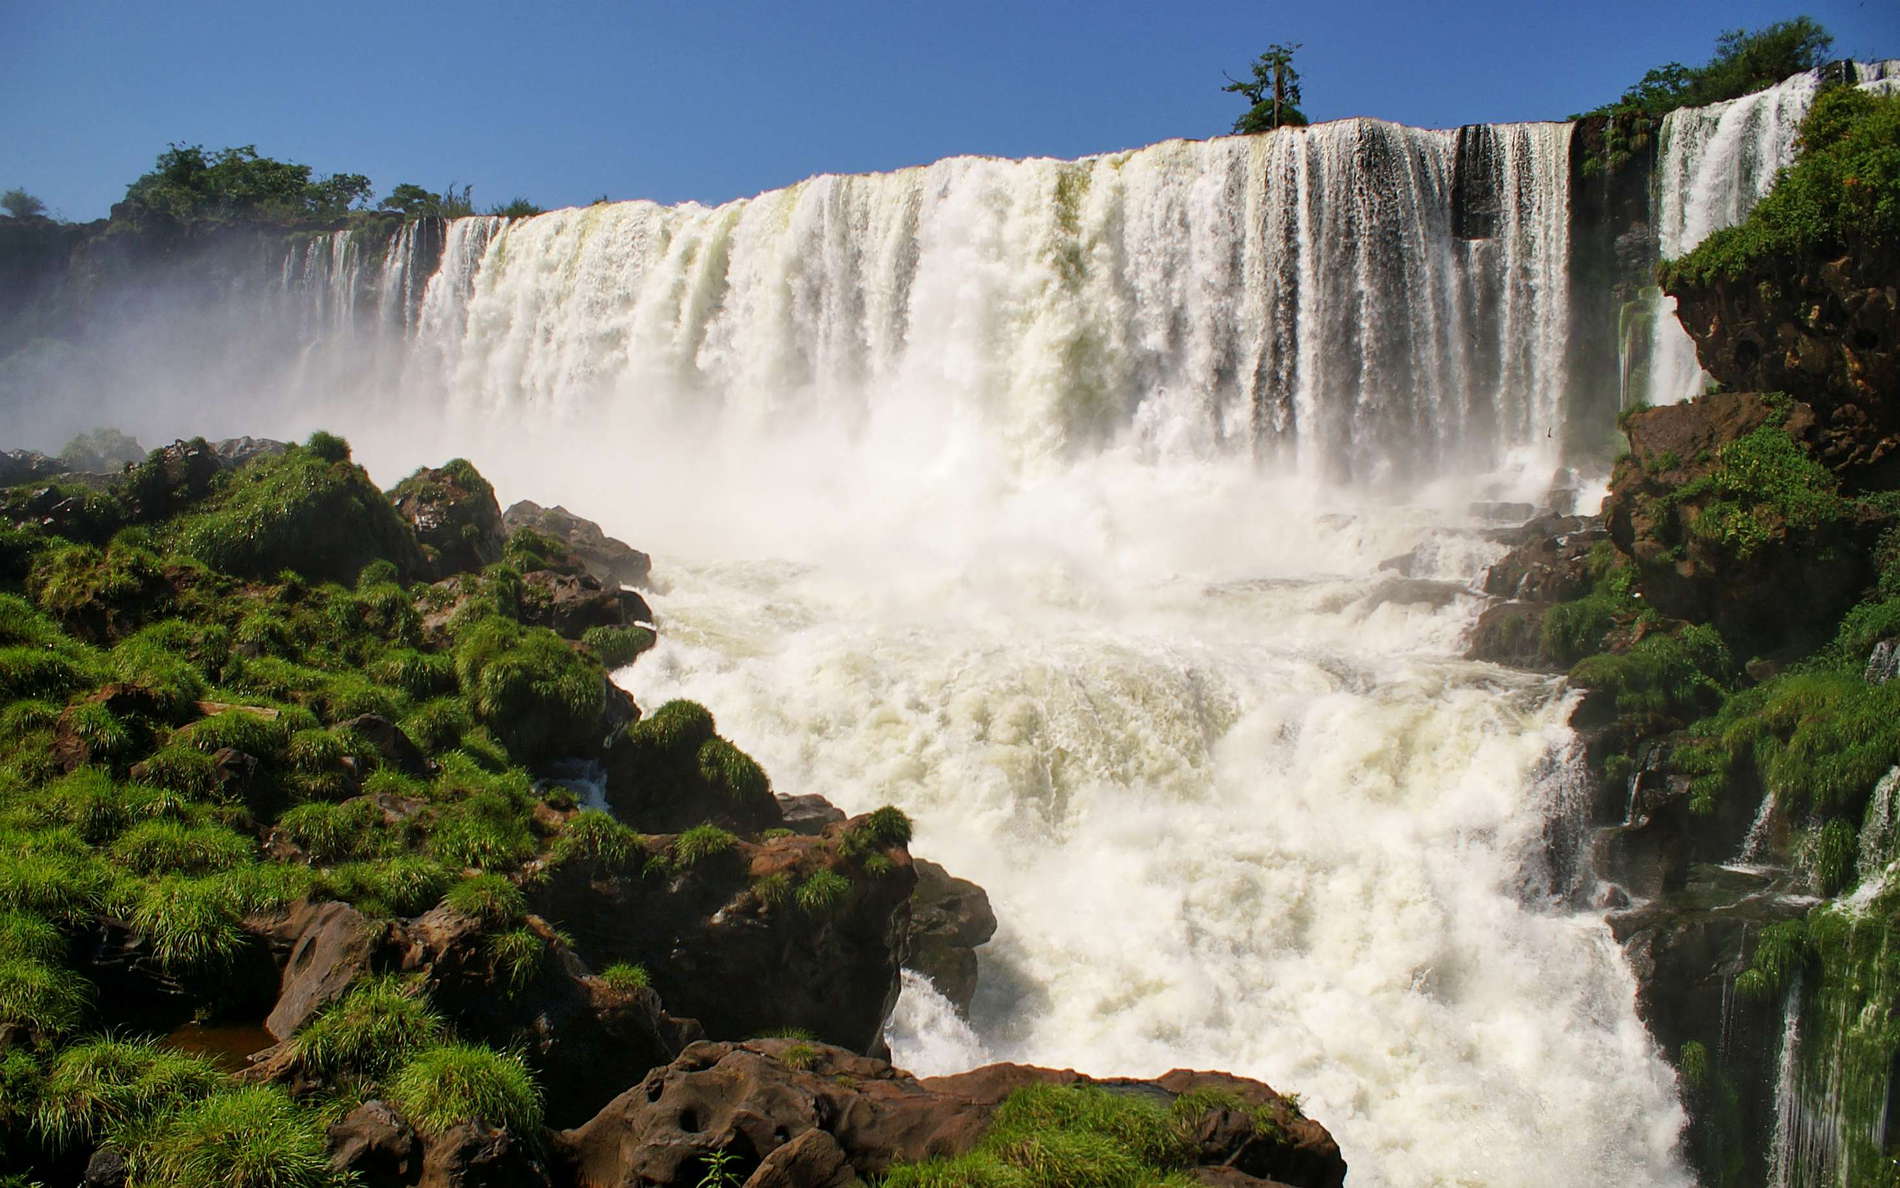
(1744, 62)
(190, 185)
(1273, 94)
(21, 205)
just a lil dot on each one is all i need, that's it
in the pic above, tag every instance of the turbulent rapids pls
(1048, 501)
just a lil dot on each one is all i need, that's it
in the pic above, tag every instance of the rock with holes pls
(751, 1110)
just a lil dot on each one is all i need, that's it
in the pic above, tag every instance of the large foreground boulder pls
(790, 1112)
(456, 519)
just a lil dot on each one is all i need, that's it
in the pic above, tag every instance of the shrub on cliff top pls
(442, 1087)
(1842, 190)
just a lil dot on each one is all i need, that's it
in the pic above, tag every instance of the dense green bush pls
(95, 1088)
(537, 695)
(1681, 674)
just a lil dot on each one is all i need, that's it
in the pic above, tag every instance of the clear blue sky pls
(712, 99)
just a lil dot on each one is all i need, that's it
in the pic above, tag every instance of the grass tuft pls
(444, 1086)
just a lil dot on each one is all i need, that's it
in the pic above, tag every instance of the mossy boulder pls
(612, 562)
(671, 771)
(456, 520)
(306, 510)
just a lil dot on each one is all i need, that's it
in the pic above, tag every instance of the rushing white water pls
(1715, 163)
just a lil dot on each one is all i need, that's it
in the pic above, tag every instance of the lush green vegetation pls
(1842, 192)
(445, 1086)
(21, 205)
(190, 185)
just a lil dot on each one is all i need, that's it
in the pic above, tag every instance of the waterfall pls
(1298, 297)
(1715, 163)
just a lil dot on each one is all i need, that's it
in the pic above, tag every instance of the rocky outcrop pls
(1745, 579)
(609, 561)
(813, 931)
(1548, 564)
(795, 1113)
(584, 1037)
(1826, 331)
(949, 918)
(455, 517)
(570, 604)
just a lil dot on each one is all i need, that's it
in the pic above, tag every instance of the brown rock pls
(759, 1102)
(472, 1156)
(332, 945)
(611, 562)
(376, 1144)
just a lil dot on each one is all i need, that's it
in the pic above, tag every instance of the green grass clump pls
(538, 697)
(93, 589)
(1761, 482)
(1077, 1136)
(488, 831)
(171, 680)
(823, 892)
(677, 728)
(439, 724)
(489, 898)
(419, 675)
(370, 1030)
(406, 885)
(28, 671)
(96, 1088)
(244, 730)
(593, 837)
(250, 1137)
(626, 977)
(1681, 675)
(1780, 951)
(180, 768)
(189, 923)
(1842, 191)
(700, 843)
(332, 833)
(60, 886)
(519, 954)
(301, 511)
(173, 847)
(41, 996)
(23, 934)
(732, 772)
(616, 647)
(445, 1086)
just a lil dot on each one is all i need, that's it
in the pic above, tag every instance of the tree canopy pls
(191, 185)
(21, 205)
(1744, 62)
(1272, 94)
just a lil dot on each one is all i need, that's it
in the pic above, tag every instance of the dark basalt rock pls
(761, 1101)
(808, 814)
(949, 918)
(1828, 332)
(1686, 950)
(1789, 589)
(571, 603)
(1552, 566)
(1512, 633)
(27, 466)
(611, 562)
(704, 929)
(377, 1145)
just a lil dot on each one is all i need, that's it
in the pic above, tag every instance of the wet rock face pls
(1827, 332)
(609, 561)
(1686, 950)
(949, 918)
(796, 1113)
